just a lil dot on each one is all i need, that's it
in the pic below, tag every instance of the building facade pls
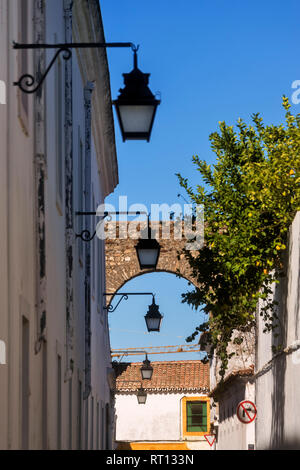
(226, 395)
(57, 157)
(265, 371)
(176, 414)
(277, 369)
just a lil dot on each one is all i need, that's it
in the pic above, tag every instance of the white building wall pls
(3, 214)
(91, 437)
(159, 419)
(232, 434)
(18, 272)
(278, 375)
(55, 245)
(276, 391)
(17, 289)
(243, 359)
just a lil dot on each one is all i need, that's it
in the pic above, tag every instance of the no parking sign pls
(246, 411)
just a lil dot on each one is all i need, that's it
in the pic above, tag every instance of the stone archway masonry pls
(121, 258)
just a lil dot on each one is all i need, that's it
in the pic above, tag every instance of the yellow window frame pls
(184, 416)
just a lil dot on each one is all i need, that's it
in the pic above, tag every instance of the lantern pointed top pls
(153, 317)
(135, 60)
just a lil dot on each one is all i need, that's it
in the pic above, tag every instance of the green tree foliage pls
(250, 198)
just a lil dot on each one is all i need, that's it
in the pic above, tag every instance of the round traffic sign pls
(246, 411)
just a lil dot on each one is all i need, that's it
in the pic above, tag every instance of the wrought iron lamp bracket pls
(86, 235)
(29, 84)
(124, 295)
(27, 81)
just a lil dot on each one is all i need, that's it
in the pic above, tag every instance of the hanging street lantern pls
(153, 317)
(141, 396)
(146, 369)
(136, 105)
(147, 250)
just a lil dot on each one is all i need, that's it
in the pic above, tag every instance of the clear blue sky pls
(212, 61)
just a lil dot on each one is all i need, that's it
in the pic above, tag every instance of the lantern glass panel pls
(141, 397)
(148, 256)
(153, 324)
(146, 374)
(136, 118)
(146, 370)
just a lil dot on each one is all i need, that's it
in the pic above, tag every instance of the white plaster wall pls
(18, 257)
(17, 289)
(243, 359)
(55, 244)
(232, 434)
(278, 377)
(293, 290)
(56, 330)
(159, 419)
(4, 74)
(277, 383)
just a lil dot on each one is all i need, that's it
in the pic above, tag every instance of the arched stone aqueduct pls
(121, 258)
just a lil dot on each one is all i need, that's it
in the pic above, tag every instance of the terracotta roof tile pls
(167, 376)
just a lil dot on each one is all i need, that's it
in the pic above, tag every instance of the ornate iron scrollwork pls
(28, 84)
(27, 81)
(86, 236)
(123, 295)
(110, 308)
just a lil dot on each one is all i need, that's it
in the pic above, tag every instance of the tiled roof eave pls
(164, 390)
(242, 375)
(168, 376)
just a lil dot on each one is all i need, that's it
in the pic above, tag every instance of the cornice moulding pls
(88, 27)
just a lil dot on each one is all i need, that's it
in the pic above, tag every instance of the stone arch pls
(150, 271)
(122, 263)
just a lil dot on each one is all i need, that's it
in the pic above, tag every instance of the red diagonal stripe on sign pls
(246, 412)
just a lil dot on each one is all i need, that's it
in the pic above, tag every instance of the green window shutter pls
(196, 414)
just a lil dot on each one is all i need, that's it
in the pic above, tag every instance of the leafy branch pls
(250, 198)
